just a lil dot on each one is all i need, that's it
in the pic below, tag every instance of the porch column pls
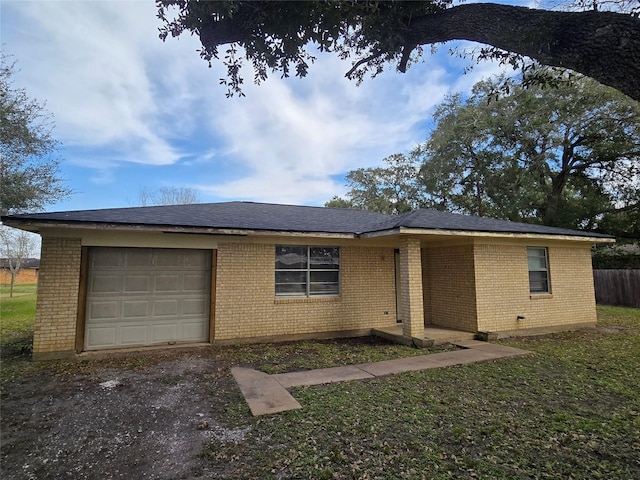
(411, 305)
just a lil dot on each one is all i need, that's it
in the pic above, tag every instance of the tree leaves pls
(567, 155)
(28, 166)
(373, 34)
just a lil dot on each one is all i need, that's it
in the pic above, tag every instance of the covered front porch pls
(435, 292)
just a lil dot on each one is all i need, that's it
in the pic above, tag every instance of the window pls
(307, 271)
(538, 270)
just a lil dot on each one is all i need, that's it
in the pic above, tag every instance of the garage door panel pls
(107, 258)
(135, 334)
(104, 337)
(168, 283)
(166, 307)
(135, 309)
(170, 259)
(104, 310)
(193, 331)
(103, 283)
(194, 259)
(165, 333)
(147, 296)
(137, 284)
(194, 306)
(139, 257)
(196, 282)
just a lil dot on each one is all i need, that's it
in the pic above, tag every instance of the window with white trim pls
(304, 271)
(538, 260)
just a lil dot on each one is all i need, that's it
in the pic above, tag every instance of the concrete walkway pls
(267, 394)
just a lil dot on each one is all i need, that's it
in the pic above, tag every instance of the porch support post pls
(411, 305)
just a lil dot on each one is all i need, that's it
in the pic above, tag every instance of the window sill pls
(335, 298)
(540, 296)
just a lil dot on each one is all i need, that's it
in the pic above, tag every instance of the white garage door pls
(144, 296)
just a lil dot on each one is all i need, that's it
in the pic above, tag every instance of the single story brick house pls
(237, 272)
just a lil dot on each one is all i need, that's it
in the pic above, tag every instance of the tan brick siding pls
(503, 288)
(57, 304)
(426, 287)
(450, 287)
(246, 305)
(411, 301)
(481, 287)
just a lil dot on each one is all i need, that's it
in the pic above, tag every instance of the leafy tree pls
(28, 169)
(339, 202)
(392, 189)
(568, 156)
(17, 246)
(564, 156)
(275, 34)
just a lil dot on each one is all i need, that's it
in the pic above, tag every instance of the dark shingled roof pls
(434, 219)
(228, 215)
(286, 218)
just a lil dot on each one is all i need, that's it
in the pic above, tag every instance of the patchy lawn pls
(17, 314)
(571, 410)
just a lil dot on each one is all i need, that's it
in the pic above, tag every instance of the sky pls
(133, 113)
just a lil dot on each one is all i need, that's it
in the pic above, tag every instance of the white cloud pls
(121, 97)
(88, 60)
(292, 137)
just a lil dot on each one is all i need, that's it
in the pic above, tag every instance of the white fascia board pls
(476, 234)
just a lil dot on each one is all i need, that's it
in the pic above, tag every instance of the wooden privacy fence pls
(617, 287)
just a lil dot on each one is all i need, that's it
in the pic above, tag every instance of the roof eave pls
(478, 233)
(37, 226)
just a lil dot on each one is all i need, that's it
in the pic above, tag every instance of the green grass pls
(571, 410)
(19, 311)
(17, 315)
(312, 354)
(618, 316)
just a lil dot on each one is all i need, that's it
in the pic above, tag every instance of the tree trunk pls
(602, 45)
(553, 198)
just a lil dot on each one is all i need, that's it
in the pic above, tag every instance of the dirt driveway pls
(116, 422)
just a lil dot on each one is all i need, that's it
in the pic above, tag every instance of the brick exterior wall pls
(481, 286)
(411, 301)
(57, 304)
(503, 288)
(246, 305)
(450, 287)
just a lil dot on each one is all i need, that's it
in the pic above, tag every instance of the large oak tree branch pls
(602, 45)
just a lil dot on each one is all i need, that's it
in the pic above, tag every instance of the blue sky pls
(133, 112)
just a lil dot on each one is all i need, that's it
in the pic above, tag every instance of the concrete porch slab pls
(433, 335)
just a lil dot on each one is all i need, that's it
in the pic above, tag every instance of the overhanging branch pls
(602, 45)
